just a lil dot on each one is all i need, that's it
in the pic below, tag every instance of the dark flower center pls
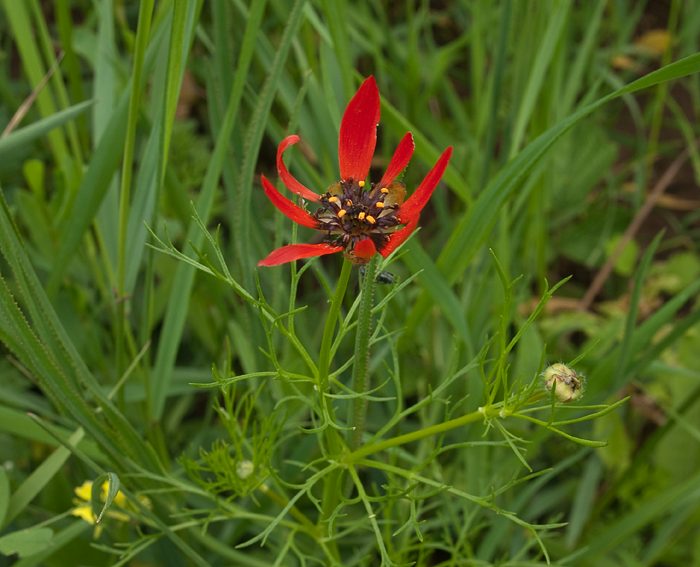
(350, 213)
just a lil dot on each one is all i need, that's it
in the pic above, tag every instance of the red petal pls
(399, 160)
(293, 252)
(289, 209)
(398, 238)
(411, 209)
(287, 178)
(358, 132)
(364, 249)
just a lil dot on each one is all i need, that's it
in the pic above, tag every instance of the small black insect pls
(385, 278)
(382, 277)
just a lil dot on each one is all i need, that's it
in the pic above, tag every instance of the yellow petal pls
(85, 512)
(119, 499)
(84, 491)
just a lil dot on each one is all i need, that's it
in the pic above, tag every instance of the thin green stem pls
(362, 452)
(334, 444)
(324, 357)
(142, 35)
(360, 368)
(283, 501)
(370, 515)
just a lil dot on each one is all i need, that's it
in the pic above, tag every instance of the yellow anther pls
(334, 200)
(362, 215)
(384, 190)
(379, 205)
(341, 213)
(348, 203)
(361, 183)
(370, 219)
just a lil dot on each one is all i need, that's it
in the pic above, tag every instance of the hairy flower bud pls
(568, 386)
(244, 469)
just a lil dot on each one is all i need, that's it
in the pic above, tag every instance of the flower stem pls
(362, 452)
(333, 442)
(360, 368)
(324, 356)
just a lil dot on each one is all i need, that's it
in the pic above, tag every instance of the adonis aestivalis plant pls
(357, 217)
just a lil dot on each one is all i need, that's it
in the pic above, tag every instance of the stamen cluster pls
(349, 213)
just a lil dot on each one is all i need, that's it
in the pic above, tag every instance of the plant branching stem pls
(362, 452)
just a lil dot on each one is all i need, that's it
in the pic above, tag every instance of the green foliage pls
(236, 467)
(306, 414)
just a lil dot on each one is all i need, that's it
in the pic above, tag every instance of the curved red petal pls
(397, 238)
(287, 178)
(293, 252)
(411, 209)
(399, 160)
(364, 250)
(358, 132)
(289, 209)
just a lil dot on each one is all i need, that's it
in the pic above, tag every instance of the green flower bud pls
(568, 386)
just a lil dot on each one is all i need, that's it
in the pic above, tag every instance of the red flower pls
(357, 219)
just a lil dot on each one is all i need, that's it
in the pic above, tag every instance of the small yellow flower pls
(83, 508)
(84, 511)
